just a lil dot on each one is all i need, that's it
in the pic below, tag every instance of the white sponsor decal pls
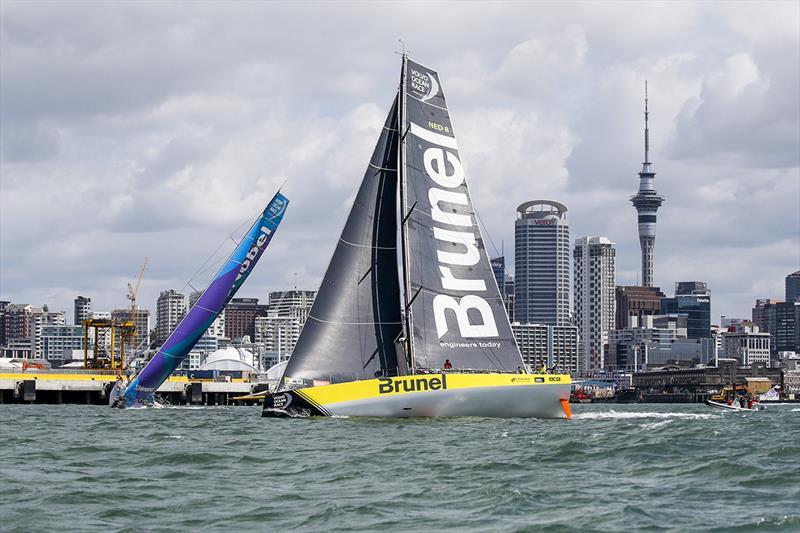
(253, 253)
(466, 253)
(424, 84)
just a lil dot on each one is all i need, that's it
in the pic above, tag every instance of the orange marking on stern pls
(565, 406)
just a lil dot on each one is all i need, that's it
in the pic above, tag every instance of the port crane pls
(133, 290)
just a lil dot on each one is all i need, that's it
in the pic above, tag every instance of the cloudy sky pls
(157, 129)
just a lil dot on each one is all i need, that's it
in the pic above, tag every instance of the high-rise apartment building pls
(595, 273)
(292, 303)
(554, 346)
(693, 299)
(541, 263)
(170, 310)
(793, 287)
(3, 305)
(141, 319)
(82, 310)
(647, 202)
(240, 317)
(277, 335)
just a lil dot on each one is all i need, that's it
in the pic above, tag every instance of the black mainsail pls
(355, 323)
(457, 312)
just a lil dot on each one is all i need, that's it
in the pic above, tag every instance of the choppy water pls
(674, 467)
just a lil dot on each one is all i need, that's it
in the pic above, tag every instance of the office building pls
(499, 271)
(554, 346)
(58, 339)
(793, 287)
(541, 263)
(240, 317)
(636, 302)
(781, 320)
(595, 273)
(82, 310)
(647, 202)
(693, 299)
(758, 315)
(747, 345)
(170, 310)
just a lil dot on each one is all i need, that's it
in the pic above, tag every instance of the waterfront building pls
(56, 339)
(217, 328)
(82, 310)
(595, 273)
(541, 263)
(782, 321)
(554, 346)
(3, 305)
(747, 345)
(637, 302)
(793, 287)
(758, 315)
(647, 202)
(631, 349)
(693, 299)
(240, 317)
(170, 309)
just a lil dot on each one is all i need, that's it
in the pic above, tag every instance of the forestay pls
(354, 323)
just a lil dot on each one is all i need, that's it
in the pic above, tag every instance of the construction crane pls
(133, 289)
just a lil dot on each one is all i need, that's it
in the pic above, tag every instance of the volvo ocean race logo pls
(424, 85)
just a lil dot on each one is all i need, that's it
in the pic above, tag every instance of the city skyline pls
(159, 157)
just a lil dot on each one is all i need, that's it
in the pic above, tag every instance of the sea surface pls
(610, 468)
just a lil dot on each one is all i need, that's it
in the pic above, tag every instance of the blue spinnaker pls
(216, 296)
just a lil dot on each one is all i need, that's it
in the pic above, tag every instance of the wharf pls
(94, 386)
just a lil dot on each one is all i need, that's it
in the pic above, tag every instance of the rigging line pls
(221, 244)
(486, 231)
(351, 323)
(368, 245)
(383, 168)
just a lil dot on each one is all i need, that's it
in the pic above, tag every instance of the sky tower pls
(647, 202)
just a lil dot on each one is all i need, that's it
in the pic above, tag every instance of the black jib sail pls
(354, 324)
(457, 311)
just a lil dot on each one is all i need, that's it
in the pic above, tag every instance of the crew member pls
(519, 370)
(543, 370)
(447, 365)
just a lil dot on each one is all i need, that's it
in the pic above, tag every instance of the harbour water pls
(613, 467)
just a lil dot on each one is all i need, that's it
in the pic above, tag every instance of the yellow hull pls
(487, 395)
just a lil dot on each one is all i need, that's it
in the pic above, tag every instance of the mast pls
(401, 169)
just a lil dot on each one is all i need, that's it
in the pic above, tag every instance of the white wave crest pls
(622, 415)
(656, 425)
